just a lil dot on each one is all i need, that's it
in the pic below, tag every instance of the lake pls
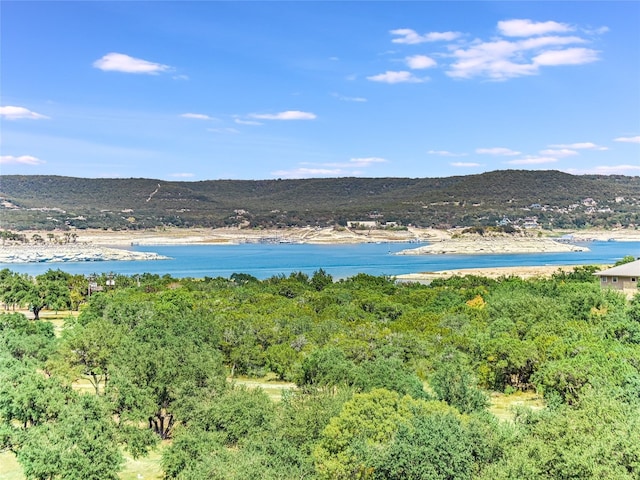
(341, 261)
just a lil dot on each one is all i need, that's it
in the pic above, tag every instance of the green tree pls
(453, 382)
(367, 424)
(79, 445)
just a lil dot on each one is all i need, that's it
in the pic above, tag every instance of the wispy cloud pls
(580, 146)
(559, 153)
(227, 130)
(196, 116)
(623, 169)
(287, 115)
(501, 151)
(240, 121)
(445, 153)
(532, 161)
(366, 161)
(522, 47)
(465, 164)
(395, 77)
(21, 160)
(628, 139)
(119, 62)
(16, 113)
(181, 175)
(304, 172)
(569, 56)
(419, 62)
(528, 28)
(616, 169)
(354, 166)
(504, 59)
(411, 37)
(348, 99)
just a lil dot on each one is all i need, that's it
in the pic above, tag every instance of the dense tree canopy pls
(391, 380)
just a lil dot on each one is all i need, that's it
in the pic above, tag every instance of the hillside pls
(551, 198)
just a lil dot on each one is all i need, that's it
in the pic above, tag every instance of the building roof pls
(631, 269)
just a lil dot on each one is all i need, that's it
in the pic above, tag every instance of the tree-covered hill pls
(556, 199)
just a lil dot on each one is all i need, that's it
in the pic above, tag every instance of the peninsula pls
(70, 253)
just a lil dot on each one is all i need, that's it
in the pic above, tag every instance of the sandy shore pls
(525, 272)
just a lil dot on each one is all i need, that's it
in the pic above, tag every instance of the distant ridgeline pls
(528, 199)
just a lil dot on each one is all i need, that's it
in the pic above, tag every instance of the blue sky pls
(261, 90)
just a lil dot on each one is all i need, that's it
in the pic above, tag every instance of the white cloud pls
(523, 48)
(418, 62)
(411, 37)
(119, 62)
(559, 153)
(239, 121)
(287, 115)
(569, 56)
(490, 59)
(628, 139)
(501, 59)
(196, 116)
(21, 160)
(527, 28)
(14, 113)
(497, 151)
(395, 77)
(532, 161)
(181, 175)
(445, 153)
(465, 164)
(540, 42)
(580, 146)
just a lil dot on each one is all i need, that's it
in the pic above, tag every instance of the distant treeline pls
(548, 199)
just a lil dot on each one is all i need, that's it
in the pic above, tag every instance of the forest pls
(388, 380)
(558, 200)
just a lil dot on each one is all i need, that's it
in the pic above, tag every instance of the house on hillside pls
(623, 278)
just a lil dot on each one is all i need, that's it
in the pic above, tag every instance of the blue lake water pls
(341, 261)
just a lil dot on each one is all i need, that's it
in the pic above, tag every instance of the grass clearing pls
(147, 468)
(9, 467)
(272, 387)
(502, 405)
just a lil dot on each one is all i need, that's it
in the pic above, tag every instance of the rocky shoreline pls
(102, 245)
(70, 253)
(478, 245)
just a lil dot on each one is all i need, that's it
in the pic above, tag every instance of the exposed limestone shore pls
(97, 245)
(70, 253)
(477, 245)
